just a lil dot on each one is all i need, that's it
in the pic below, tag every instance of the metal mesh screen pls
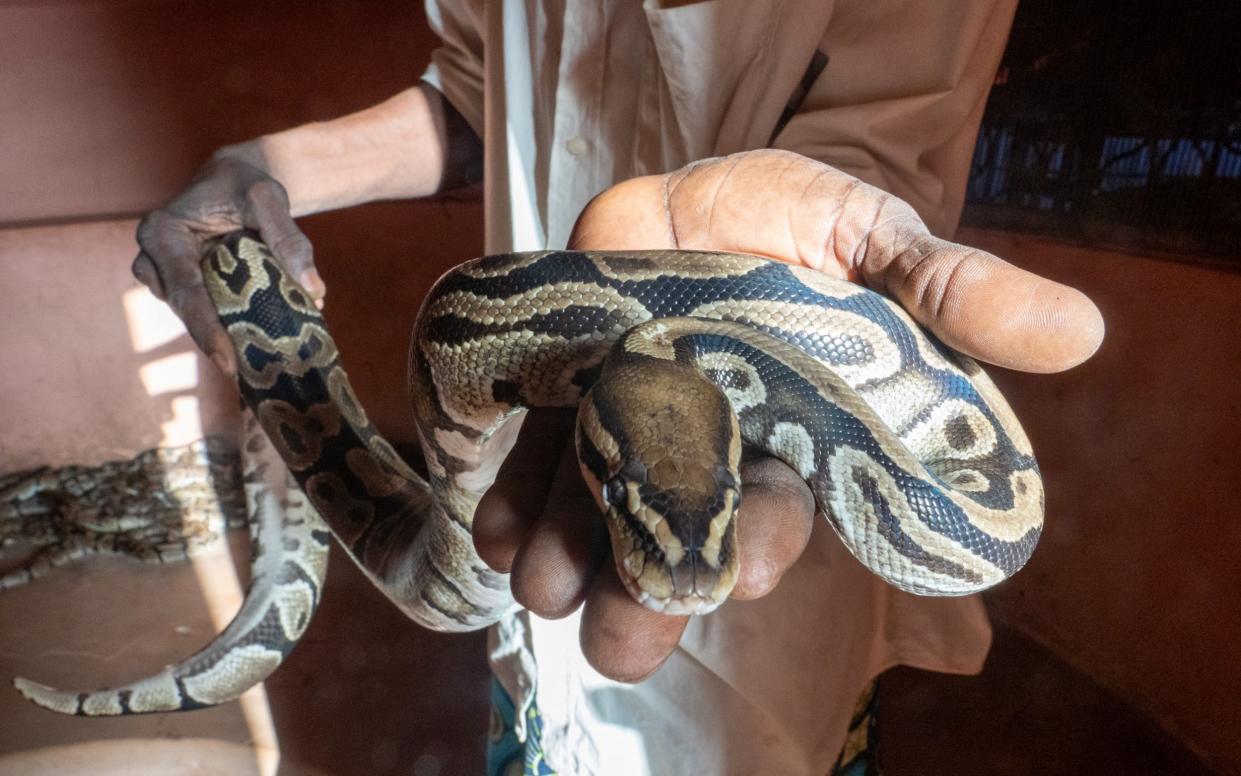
(1116, 124)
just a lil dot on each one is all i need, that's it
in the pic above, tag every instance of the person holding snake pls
(831, 137)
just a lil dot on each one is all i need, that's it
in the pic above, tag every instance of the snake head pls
(660, 453)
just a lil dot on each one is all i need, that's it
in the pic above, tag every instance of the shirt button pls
(576, 145)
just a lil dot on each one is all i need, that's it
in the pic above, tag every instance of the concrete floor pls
(369, 693)
(1026, 714)
(366, 691)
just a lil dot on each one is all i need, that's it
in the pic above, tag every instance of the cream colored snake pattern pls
(912, 455)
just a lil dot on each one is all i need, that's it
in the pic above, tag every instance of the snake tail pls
(288, 565)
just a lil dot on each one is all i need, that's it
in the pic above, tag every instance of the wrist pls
(243, 163)
(249, 152)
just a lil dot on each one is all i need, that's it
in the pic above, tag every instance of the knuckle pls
(148, 225)
(294, 246)
(180, 297)
(141, 267)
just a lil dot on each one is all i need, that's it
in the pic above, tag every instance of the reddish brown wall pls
(106, 107)
(110, 105)
(1135, 579)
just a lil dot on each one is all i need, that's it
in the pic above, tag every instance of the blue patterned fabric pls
(507, 756)
(857, 757)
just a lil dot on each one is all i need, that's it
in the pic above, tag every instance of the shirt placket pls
(573, 152)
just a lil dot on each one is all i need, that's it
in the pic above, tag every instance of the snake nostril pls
(633, 471)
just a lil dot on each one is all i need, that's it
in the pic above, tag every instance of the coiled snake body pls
(677, 361)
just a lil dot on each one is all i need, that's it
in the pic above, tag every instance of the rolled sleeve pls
(456, 68)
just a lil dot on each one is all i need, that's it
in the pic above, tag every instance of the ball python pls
(678, 361)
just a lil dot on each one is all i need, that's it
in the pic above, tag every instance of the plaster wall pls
(1134, 580)
(106, 109)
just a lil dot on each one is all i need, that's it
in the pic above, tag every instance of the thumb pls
(985, 307)
(267, 210)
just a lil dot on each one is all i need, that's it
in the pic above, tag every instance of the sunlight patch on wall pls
(176, 374)
(222, 593)
(172, 373)
(151, 322)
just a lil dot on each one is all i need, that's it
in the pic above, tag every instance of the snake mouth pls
(690, 584)
(689, 603)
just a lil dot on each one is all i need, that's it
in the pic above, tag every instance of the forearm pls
(412, 145)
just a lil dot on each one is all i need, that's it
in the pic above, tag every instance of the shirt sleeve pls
(900, 100)
(456, 68)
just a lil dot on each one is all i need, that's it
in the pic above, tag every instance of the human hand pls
(230, 192)
(785, 206)
(540, 522)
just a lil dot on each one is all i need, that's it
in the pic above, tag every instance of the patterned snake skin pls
(911, 453)
(161, 506)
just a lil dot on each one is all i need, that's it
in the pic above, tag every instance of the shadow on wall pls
(98, 368)
(1132, 580)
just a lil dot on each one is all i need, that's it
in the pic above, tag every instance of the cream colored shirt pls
(571, 97)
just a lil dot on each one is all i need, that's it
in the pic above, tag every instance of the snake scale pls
(678, 362)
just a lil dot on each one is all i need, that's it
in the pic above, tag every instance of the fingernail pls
(311, 281)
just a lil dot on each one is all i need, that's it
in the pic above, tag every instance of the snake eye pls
(614, 492)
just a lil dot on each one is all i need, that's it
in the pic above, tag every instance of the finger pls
(517, 497)
(144, 270)
(628, 216)
(556, 563)
(620, 638)
(784, 205)
(985, 307)
(773, 528)
(267, 210)
(173, 253)
(203, 323)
